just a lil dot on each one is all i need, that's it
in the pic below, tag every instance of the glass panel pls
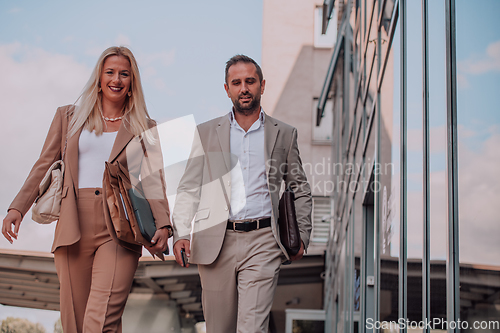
(414, 162)
(389, 189)
(322, 134)
(386, 25)
(367, 26)
(337, 143)
(371, 68)
(343, 311)
(371, 79)
(437, 142)
(357, 48)
(352, 98)
(328, 39)
(478, 78)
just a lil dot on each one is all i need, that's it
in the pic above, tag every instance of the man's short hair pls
(243, 58)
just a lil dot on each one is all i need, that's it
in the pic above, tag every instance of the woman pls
(94, 267)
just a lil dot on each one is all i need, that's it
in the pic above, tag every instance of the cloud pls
(68, 39)
(480, 64)
(159, 84)
(15, 10)
(479, 191)
(462, 81)
(479, 194)
(163, 58)
(151, 64)
(95, 51)
(34, 83)
(437, 137)
(122, 40)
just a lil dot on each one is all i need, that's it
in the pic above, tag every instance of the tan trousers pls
(238, 288)
(95, 274)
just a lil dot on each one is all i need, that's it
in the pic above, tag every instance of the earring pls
(99, 89)
(129, 93)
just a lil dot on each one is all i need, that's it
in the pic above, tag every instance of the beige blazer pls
(67, 230)
(204, 192)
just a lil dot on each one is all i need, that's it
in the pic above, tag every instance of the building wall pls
(294, 69)
(286, 27)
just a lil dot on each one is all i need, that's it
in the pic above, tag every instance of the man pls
(231, 189)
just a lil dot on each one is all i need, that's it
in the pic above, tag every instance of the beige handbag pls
(48, 203)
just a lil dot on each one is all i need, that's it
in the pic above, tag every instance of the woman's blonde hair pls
(89, 113)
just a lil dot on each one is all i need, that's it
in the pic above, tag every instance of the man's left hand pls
(160, 241)
(299, 254)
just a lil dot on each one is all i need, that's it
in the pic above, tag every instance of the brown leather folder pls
(287, 222)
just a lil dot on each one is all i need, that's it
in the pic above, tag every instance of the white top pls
(93, 151)
(250, 197)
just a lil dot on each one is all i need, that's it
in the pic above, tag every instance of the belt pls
(249, 225)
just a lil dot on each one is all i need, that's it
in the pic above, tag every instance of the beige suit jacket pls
(67, 229)
(204, 192)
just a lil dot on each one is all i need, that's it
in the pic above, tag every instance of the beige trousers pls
(95, 274)
(238, 288)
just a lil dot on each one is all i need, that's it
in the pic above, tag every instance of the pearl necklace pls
(112, 119)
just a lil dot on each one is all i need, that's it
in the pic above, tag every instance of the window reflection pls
(390, 185)
(437, 159)
(478, 50)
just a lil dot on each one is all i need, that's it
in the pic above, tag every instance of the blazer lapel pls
(72, 157)
(123, 137)
(223, 133)
(271, 131)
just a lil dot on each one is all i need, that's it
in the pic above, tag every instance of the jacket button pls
(97, 192)
(225, 208)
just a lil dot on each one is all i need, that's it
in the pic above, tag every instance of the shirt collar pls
(232, 120)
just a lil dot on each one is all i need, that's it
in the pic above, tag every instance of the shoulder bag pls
(48, 203)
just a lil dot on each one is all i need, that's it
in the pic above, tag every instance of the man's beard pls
(248, 109)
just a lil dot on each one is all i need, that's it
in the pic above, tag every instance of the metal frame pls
(403, 277)
(329, 5)
(452, 259)
(426, 257)
(347, 71)
(327, 86)
(392, 29)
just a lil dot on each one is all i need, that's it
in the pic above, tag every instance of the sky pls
(48, 49)
(47, 52)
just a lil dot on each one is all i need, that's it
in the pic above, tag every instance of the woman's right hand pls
(13, 217)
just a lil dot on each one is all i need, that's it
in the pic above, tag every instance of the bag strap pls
(146, 156)
(65, 134)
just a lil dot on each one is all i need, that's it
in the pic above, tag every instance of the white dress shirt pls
(250, 197)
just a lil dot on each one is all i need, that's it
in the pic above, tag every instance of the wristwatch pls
(170, 230)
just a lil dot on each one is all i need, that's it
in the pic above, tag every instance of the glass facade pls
(415, 146)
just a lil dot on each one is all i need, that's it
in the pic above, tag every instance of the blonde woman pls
(94, 267)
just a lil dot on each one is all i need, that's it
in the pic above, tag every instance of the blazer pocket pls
(202, 214)
(64, 192)
(278, 150)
